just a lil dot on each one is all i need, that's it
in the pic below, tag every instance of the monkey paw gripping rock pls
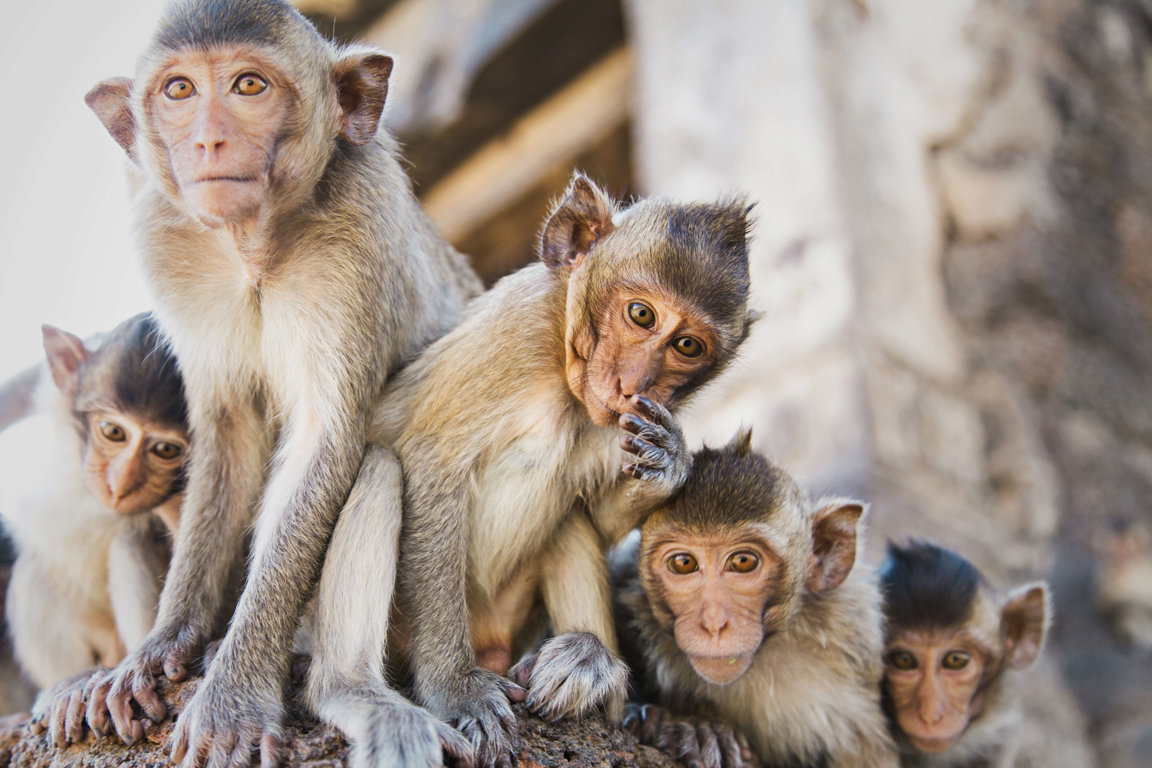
(309, 744)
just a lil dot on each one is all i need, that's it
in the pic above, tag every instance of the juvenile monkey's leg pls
(578, 669)
(136, 565)
(346, 686)
(226, 468)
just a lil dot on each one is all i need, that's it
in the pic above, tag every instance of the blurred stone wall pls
(954, 261)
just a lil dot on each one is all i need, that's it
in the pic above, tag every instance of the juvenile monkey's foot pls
(694, 742)
(134, 679)
(403, 734)
(482, 713)
(663, 460)
(60, 710)
(225, 723)
(571, 675)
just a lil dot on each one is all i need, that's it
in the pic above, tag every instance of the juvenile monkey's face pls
(932, 678)
(219, 115)
(132, 465)
(721, 590)
(646, 343)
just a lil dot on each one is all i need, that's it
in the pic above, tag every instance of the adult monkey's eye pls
(641, 314)
(955, 660)
(179, 88)
(689, 346)
(250, 84)
(112, 431)
(167, 450)
(902, 660)
(682, 563)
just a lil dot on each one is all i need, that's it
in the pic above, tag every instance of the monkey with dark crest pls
(292, 269)
(953, 651)
(510, 431)
(745, 604)
(91, 492)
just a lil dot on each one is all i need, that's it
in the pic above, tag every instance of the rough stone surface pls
(310, 744)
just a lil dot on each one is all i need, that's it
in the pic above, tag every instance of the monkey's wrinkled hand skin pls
(663, 460)
(225, 723)
(483, 714)
(135, 680)
(696, 743)
(60, 710)
(571, 675)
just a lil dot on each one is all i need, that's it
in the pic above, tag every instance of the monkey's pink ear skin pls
(362, 88)
(579, 221)
(65, 353)
(111, 100)
(833, 544)
(1024, 624)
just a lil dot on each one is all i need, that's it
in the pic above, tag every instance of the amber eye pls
(902, 660)
(641, 314)
(167, 450)
(955, 660)
(179, 88)
(250, 84)
(743, 562)
(682, 563)
(688, 346)
(113, 431)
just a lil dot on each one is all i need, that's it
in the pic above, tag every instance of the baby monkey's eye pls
(250, 84)
(641, 314)
(167, 450)
(113, 431)
(682, 563)
(743, 562)
(902, 660)
(955, 660)
(689, 346)
(179, 88)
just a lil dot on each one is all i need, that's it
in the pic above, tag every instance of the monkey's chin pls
(224, 201)
(932, 746)
(720, 670)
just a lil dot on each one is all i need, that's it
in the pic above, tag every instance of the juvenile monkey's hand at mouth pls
(662, 460)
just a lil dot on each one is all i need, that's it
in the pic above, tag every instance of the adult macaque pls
(90, 490)
(293, 270)
(953, 650)
(743, 604)
(509, 432)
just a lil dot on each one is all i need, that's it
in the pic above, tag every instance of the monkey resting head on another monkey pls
(745, 604)
(953, 651)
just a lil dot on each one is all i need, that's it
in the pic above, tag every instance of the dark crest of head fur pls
(137, 367)
(927, 587)
(208, 23)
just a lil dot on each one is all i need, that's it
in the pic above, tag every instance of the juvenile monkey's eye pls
(743, 562)
(641, 314)
(902, 660)
(688, 346)
(113, 431)
(250, 84)
(955, 660)
(682, 563)
(179, 88)
(167, 450)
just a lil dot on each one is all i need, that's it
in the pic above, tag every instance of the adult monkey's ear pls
(111, 100)
(1024, 624)
(833, 543)
(581, 219)
(361, 88)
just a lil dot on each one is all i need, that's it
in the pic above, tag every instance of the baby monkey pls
(90, 492)
(743, 605)
(952, 652)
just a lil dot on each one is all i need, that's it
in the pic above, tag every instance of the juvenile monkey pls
(90, 491)
(744, 604)
(952, 655)
(509, 432)
(292, 269)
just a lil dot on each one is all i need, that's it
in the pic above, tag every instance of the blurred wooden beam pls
(576, 117)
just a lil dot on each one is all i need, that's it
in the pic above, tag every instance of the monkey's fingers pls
(687, 745)
(711, 755)
(457, 749)
(176, 664)
(653, 411)
(96, 692)
(648, 728)
(270, 750)
(74, 717)
(37, 725)
(514, 692)
(119, 703)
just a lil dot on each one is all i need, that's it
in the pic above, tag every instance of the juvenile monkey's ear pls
(65, 353)
(833, 544)
(1024, 624)
(577, 223)
(111, 100)
(742, 443)
(361, 88)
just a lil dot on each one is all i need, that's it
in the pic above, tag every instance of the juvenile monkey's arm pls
(137, 559)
